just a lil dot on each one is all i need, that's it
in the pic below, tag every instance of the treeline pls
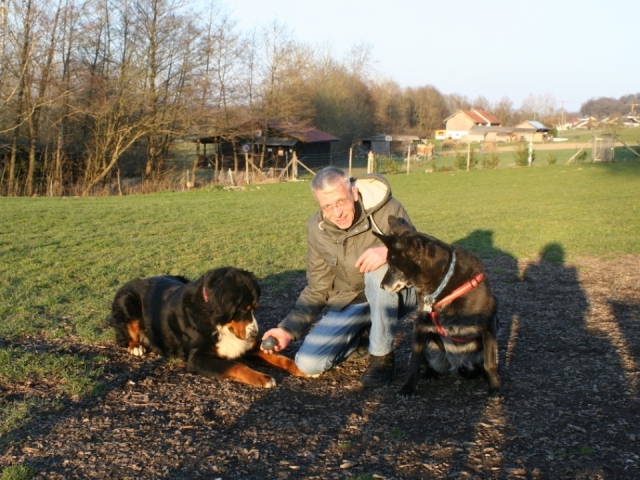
(604, 107)
(92, 90)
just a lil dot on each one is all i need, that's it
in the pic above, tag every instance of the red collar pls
(458, 292)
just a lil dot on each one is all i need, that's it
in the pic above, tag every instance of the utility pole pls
(562, 114)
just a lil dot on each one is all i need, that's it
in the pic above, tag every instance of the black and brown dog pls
(209, 323)
(456, 327)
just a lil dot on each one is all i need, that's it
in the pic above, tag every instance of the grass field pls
(64, 258)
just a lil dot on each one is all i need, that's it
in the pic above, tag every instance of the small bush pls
(521, 154)
(17, 472)
(492, 161)
(552, 159)
(461, 160)
(389, 166)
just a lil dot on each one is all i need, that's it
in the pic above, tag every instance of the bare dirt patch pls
(569, 407)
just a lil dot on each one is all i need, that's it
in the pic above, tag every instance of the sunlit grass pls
(64, 258)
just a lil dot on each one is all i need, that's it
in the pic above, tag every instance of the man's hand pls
(372, 259)
(284, 339)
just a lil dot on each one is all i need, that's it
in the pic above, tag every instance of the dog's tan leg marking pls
(243, 374)
(281, 362)
(490, 344)
(135, 347)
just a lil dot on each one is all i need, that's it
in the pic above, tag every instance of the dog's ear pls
(229, 290)
(400, 225)
(386, 239)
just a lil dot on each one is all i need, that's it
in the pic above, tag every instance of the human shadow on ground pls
(560, 369)
(559, 414)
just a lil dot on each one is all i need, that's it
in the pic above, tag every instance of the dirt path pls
(569, 407)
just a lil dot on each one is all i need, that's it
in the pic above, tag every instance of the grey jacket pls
(332, 278)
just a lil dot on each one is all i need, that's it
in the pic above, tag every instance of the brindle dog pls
(456, 327)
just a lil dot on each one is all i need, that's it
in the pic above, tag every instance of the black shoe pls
(359, 354)
(380, 371)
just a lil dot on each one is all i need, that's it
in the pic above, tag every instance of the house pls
(583, 123)
(490, 134)
(460, 123)
(383, 144)
(281, 139)
(531, 131)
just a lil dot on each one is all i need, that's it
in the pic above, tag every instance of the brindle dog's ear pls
(386, 239)
(400, 225)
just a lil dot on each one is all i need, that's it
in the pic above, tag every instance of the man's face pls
(338, 204)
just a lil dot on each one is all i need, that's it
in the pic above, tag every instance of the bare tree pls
(281, 70)
(390, 114)
(428, 110)
(503, 110)
(536, 107)
(166, 37)
(456, 102)
(342, 102)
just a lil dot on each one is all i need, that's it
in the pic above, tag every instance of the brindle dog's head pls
(414, 259)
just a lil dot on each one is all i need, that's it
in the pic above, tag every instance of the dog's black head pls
(232, 295)
(413, 257)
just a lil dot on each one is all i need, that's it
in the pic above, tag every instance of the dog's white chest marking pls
(229, 346)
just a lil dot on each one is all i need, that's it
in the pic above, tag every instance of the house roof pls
(477, 116)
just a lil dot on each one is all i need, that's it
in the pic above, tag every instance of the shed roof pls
(301, 131)
(535, 124)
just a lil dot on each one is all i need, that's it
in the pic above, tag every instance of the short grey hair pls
(329, 177)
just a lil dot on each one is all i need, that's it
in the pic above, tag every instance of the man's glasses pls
(340, 205)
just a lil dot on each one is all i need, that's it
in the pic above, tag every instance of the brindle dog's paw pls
(407, 392)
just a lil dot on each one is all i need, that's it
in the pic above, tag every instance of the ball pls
(269, 343)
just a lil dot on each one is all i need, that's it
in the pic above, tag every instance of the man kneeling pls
(345, 266)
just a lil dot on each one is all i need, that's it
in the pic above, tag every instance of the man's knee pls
(374, 278)
(312, 364)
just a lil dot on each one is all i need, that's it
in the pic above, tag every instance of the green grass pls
(64, 258)
(17, 472)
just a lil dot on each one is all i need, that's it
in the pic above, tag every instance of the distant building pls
(460, 123)
(531, 131)
(383, 144)
(279, 142)
(528, 131)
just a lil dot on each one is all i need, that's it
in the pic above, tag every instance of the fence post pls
(294, 166)
(408, 158)
(350, 160)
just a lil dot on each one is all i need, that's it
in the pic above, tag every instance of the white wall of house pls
(456, 134)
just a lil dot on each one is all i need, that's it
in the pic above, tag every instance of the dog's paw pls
(407, 392)
(137, 350)
(267, 381)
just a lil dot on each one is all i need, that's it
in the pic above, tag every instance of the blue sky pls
(572, 49)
